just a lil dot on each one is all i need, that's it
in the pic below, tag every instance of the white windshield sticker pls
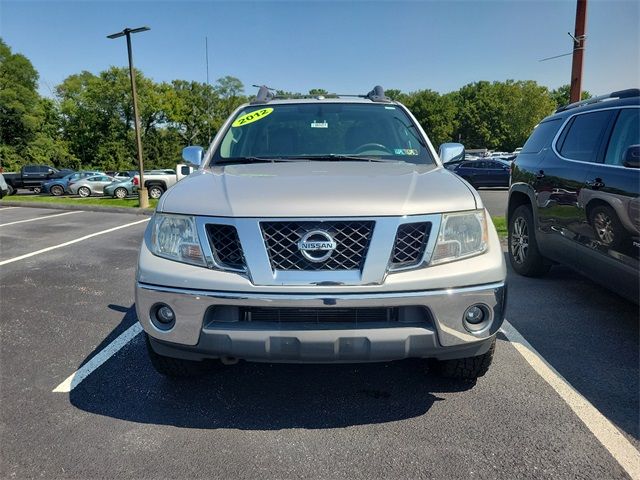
(315, 124)
(390, 108)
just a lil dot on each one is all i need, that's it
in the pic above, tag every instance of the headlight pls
(175, 237)
(461, 235)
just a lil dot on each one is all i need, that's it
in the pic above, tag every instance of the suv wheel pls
(173, 367)
(155, 191)
(57, 190)
(524, 255)
(468, 368)
(37, 189)
(608, 229)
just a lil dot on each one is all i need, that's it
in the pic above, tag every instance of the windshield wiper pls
(352, 158)
(240, 160)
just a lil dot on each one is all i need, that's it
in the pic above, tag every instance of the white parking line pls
(54, 247)
(607, 434)
(39, 218)
(7, 208)
(79, 375)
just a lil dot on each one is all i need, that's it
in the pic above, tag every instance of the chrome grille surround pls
(376, 264)
(352, 238)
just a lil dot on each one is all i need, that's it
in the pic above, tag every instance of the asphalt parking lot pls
(66, 281)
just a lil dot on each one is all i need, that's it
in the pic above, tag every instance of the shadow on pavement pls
(587, 333)
(258, 396)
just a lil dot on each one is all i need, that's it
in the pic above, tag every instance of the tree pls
(18, 104)
(561, 95)
(318, 91)
(230, 90)
(436, 113)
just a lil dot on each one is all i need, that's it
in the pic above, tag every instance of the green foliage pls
(561, 95)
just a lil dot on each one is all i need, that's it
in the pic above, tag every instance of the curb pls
(84, 208)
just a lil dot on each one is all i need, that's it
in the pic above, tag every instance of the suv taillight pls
(135, 181)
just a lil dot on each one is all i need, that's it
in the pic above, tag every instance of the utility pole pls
(142, 190)
(579, 40)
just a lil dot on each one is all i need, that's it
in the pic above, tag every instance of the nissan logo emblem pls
(316, 246)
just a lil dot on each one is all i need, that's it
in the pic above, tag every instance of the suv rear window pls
(584, 137)
(307, 130)
(541, 136)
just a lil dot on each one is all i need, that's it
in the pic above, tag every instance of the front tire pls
(468, 368)
(155, 191)
(120, 193)
(524, 256)
(173, 367)
(84, 192)
(57, 190)
(37, 190)
(10, 190)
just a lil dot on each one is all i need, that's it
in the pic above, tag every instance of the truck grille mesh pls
(226, 247)
(319, 315)
(352, 242)
(411, 241)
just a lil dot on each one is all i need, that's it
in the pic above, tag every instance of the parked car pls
(120, 189)
(122, 174)
(86, 187)
(4, 188)
(575, 193)
(483, 173)
(158, 181)
(32, 177)
(338, 240)
(59, 186)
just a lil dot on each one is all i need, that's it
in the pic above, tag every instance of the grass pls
(104, 201)
(501, 226)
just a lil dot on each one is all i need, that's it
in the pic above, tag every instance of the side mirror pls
(193, 154)
(50, 171)
(632, 157)
(451, 152)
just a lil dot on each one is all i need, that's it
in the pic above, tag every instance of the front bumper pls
(444, 336)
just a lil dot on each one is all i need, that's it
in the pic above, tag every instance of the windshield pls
(328, 131)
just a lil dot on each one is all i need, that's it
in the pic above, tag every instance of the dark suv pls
(574, 195)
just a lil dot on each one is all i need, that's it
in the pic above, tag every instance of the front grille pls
(410, 243)
(226, 247)
(352, 242)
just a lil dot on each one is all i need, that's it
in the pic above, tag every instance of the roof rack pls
(628, 93)
(266, 94)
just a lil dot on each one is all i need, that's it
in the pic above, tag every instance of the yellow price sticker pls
(248, 118)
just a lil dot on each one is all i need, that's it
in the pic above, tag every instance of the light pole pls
(142, 190)
(579, 40)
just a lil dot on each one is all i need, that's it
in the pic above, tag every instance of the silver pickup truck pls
(321, 230)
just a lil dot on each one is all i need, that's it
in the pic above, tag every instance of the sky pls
(342, 46)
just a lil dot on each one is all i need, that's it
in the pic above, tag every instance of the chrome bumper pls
(325, 343)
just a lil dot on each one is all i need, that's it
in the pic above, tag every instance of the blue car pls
(58, 186)
(483, 173)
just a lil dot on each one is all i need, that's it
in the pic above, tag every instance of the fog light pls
(162, 316)
(474, 315)
(165, 314)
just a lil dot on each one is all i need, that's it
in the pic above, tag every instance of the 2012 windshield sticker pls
(254, 116)
(405, 151)
(316, 124)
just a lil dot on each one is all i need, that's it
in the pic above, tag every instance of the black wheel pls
(57, 190)
(173, 367)
(84, 192)
(120, 192)
(524, 255)
(37, 189)
(468, 368)
(155, 191)
(606, 225)
(10, 190)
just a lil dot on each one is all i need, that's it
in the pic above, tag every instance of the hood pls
(319, 189)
